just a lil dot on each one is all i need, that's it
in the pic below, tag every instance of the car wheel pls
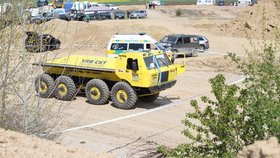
(201, 48)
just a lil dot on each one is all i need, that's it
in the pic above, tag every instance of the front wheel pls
(149, 98)
(123, 96)
(201, 48)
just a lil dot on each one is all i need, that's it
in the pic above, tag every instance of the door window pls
(136, 46)
(187, 40)
(179, 41)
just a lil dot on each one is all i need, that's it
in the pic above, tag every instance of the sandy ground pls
(18, 145)
(136, 132)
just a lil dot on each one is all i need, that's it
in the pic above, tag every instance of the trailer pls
(126, 78)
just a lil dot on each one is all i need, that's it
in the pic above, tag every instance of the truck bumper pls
(162, 87)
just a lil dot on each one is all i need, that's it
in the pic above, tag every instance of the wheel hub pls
(62, 89)
(122, 96)
(95, 93)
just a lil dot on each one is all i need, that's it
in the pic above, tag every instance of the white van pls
(244, 3)
(141, 42)
(206, 2)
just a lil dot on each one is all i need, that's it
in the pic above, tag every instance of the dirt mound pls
(14, 144)
(261, 149)
(253, 22)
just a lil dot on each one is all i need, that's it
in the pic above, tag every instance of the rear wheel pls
(44, 86)
(97, 92)
(65, 88)
(149, 98)
(123, 96)
(201, 48)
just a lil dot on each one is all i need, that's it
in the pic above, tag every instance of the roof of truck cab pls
(133, 38)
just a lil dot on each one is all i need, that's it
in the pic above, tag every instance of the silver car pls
(203, 43)
(138, 14)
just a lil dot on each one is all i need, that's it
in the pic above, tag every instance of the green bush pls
(178, 12)
(237, 117)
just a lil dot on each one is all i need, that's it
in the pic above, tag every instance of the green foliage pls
(178, 12)
(236, 117)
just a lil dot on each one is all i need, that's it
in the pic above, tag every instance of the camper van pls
(244, 3)
(138, 42)
(205, 2)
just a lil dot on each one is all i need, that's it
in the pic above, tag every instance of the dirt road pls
(133, 133)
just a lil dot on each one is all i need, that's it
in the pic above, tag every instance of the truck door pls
(132, 71)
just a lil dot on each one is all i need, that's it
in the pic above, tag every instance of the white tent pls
(205, 2)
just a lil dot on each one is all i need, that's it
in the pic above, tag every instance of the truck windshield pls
(162, 60)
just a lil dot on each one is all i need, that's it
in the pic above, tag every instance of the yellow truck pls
(129, 76)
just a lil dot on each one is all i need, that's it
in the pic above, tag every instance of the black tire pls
(44, 86)
(65, 88)
(57, 45)
(97, 92)
(201, 48)
(123, 102)
(149, 98)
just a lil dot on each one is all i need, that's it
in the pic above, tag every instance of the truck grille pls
(164, 76)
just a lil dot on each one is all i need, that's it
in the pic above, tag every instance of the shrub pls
(237, 117)
(178, 12)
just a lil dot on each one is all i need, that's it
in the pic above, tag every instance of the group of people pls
(150, 5)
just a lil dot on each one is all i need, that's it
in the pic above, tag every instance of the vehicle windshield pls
(170, 39)
(162, 60)
(160, 46)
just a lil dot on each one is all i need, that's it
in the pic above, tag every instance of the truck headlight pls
(154, 81)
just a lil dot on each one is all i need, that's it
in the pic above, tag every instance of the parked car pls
(138, 14)
(203, 43)
(119, 15)
(221, 3)
(40, 42)
(39, 18)
(61, 14)
(102, 15)
(112, 6)
(188, 44)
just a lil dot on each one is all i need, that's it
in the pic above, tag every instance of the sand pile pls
(257, 20)
(261, 149)
(18, 145)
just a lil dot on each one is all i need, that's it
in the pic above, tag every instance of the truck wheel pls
(65, 88)
(123, 96)
(149, 98)
(97, 92)
(44, 86)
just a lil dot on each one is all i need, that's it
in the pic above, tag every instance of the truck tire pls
(97, 92)
(123, 96)
(65, 88)
(149, 98)
(44, 86)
